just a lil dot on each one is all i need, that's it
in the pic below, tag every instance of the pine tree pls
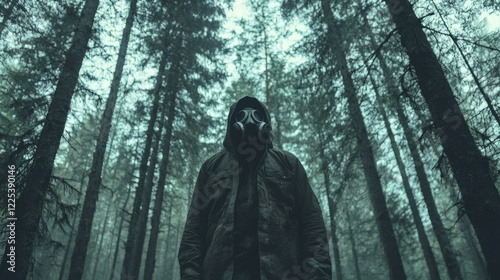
(30, 204)
(92, 194)
(386, 231)
(143, 167)
(157, 210)
(471, 169)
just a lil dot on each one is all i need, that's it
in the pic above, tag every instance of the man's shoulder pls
(285, 158)
(215, 159)
(283, 153)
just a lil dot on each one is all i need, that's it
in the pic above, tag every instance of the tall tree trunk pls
(155, 219)
(67, 250)
(43, 268)
(470, 168)
(332, 207)
(109, 246)
(73, 229)
(143, 168)
(115, 235)
(452, 264)
(167, 239)
(382, 217)
(451, 261)
(333, 227)
(266, 71)
(429, 257)
(7, 15)
(92, 194)
(142, 220)
(120, 227)
(171, 265)
(30, 204)
(98, 260)
(470, 239)
(353, 246)
(473, 249)
(277, 131)
(113, 177)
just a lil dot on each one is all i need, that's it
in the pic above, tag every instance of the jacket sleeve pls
(192, 248)
(313, 238)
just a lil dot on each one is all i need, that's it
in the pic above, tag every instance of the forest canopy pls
(109, 108)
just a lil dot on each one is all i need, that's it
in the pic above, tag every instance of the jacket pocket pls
(281, 194)
(217, 211)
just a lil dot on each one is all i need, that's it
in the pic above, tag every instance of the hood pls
(244, 102)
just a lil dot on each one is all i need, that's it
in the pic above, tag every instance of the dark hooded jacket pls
(292, 240)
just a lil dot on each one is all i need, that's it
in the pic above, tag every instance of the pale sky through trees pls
(240, 10)
(350, 94)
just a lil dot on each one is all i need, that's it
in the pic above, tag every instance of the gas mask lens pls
(241, 116)
(255, 115)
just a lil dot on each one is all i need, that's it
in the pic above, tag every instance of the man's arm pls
(191, 249)
(312, 231)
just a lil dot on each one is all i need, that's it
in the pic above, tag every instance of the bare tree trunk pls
(451, 261)
(470, 239)
(101, 236)
(120, 227)
(333, 227)
(474, 250)
(109, 246)
(452, 264)
(113, 177)
(353, 246)
(142, 220)
(266, 71)
(155, 219)
(167, 238)
(332, 207)
(92, 194)
(43, 267)
(68, 248)
(382, 217)
(73, 227)
(429, 257)
(30, 203)
(172, 264)
(278, 123)
(471, 170)
(7, 15)
(143, 168)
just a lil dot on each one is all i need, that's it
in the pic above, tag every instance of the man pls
(253, 215)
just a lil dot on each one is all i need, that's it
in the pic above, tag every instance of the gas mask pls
(250, 122)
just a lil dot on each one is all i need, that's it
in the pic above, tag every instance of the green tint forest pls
(109, 108)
